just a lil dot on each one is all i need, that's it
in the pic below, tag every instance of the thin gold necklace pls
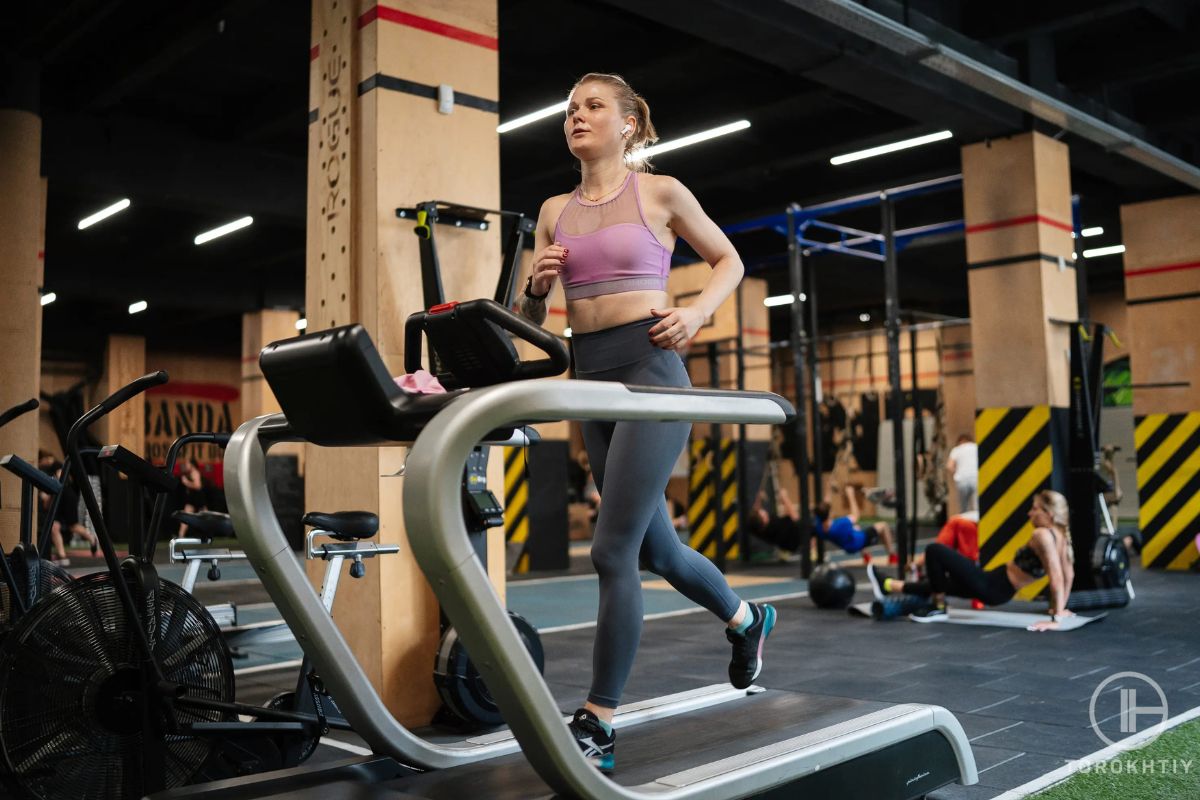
(606, 194)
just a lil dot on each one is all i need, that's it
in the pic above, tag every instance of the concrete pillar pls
(1017, 209)
(1162, 295)
(377, 141)
(22, 237)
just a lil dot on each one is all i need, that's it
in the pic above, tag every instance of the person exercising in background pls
(960, 534)
(610, 241)
(963, 466)
(1048, 554)
(845, 531)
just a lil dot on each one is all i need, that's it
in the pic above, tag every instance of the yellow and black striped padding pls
(1015, 462)
(516, 505)
(703, 513)
(1168, 481)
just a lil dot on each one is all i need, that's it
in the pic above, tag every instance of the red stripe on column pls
(1026, 220)
(429, 25)
(205, 391)
(314, 52)
(756, 331)
(41, 255)
(1133, 273)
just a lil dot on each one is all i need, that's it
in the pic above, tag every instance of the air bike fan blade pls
(70, 691)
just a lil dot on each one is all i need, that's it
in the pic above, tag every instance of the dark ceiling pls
(198, 113)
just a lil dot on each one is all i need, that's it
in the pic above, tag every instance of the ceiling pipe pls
(920, 49)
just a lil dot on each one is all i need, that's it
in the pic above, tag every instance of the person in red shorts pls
(960, 534)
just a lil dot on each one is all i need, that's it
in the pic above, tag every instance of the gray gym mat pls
(1009, 619)
(990, 618)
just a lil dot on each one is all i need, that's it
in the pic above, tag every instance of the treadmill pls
(714, 742)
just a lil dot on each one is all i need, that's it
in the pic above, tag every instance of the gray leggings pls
(634, 523)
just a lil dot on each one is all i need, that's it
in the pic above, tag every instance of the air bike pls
(714, 742)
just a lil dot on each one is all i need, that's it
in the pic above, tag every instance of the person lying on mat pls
(1048, 553)
(845, 531)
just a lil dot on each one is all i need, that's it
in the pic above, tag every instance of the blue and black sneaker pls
(748, 647)
(597, 743)
(932, 613)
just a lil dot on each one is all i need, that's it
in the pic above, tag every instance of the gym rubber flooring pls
(1023, 698)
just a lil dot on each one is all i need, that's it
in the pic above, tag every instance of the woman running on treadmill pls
(610, 241)
(1048, 553)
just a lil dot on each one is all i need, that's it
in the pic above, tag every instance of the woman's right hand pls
(546, 266)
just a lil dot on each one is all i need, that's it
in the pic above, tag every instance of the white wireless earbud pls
(626, 129)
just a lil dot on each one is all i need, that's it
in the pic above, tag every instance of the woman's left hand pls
(1047, 625)
(676, 327)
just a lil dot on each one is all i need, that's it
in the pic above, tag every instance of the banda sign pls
(174, 409)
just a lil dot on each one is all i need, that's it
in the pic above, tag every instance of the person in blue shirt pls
(845, 531)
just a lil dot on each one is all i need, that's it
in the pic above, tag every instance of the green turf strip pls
(1166, 769)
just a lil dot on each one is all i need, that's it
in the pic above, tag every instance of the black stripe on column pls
(394, 84)
(1003, 262)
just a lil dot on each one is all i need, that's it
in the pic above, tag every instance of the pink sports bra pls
(612, 249)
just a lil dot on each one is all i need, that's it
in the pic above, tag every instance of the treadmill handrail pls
(267, 549)
(448, 561)
(447, 558)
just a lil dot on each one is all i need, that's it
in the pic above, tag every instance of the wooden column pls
(22, 236)
(377, 141)
(1017, 208)
(1162, 293)
(124, 362)
(259, 329)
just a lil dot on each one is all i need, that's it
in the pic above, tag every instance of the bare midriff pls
(588, 314)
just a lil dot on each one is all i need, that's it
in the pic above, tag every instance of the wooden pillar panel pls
(22, 236)
(1162, 247)
(1017, 198)
(1017, 208)
(331, 165)
(259, 329)
(1165, 365)
(124, 362)
(1162, 292)
(378, 139)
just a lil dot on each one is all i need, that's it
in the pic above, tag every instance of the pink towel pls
(420, 382)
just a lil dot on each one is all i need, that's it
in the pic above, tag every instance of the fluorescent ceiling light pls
(890, 148)
(301, 323)
(1111, 250)
(48, 298)
(783, 300)
(1092, 231)
(140, 305)
(864, 317)
(229, 227)
(694, 138)
(548, 111)
(104, 213)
